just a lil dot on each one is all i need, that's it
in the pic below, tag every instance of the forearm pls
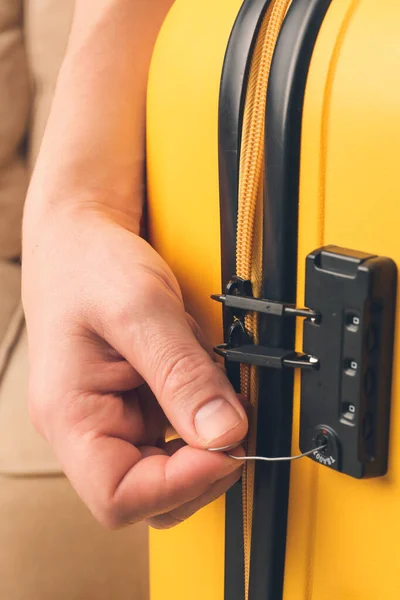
(93, 148)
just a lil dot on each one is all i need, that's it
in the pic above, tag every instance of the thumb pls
(193, 391)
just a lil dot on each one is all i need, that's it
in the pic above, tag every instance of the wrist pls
(78, 206)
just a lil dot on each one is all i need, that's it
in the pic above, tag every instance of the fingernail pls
(225, 448)
(215, 419)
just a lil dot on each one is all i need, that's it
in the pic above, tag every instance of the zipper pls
(249, 242)
(262, 88)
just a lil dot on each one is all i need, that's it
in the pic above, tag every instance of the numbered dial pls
(330, 455)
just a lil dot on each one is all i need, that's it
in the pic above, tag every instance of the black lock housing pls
(347, 399)
(346, 362)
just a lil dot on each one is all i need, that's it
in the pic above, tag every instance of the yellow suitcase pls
(331, 177)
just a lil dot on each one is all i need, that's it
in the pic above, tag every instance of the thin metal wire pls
(225, 448)
(279, 458)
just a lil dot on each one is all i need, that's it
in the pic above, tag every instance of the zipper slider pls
(239, 347)
(263, 306)
(272, 358)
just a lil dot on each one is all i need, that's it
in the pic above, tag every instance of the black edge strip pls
(282, 146)
(231, 102)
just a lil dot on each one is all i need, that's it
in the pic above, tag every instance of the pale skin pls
(114, 357)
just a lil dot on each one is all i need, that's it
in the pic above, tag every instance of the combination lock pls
(346, 362)
(346, 401)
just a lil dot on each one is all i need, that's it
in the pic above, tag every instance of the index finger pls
(121, 483)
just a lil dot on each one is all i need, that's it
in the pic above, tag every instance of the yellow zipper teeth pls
(249, 230)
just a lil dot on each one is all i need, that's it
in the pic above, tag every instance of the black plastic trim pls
(231, 102)
(283, 135)
(284, 114)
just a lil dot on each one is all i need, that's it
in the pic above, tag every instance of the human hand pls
(113, 359)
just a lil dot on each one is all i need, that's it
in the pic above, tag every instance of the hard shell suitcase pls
(325, 527)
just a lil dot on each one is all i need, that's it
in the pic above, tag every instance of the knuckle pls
(110, 518)
(163, 278)
(137, 303)
(112, 511)
(185, 374)
(49, 403)
(106, 510)
(120, 312)
(163, 522)
(199, 335)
